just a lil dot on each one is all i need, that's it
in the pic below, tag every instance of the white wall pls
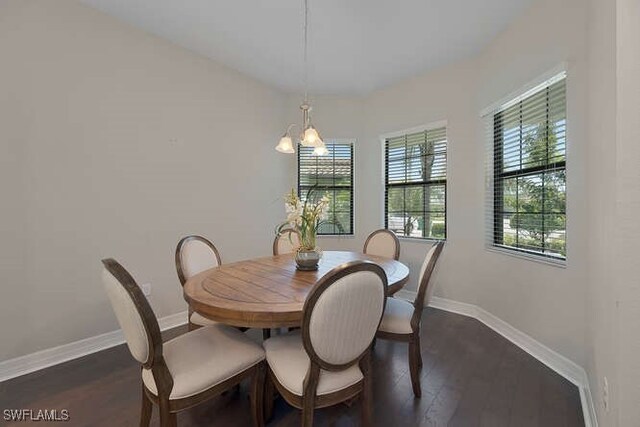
(614, 293)
(601, 337)
(627, 230)
(88, 107)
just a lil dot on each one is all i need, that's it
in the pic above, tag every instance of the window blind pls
(416, 184)
(526, 165)
(333, 174)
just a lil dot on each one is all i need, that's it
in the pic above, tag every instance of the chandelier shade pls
(285, 145)
(311, 138)
(320, 150)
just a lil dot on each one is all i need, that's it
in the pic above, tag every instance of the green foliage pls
(540, 205)
(537, 201)
(557, 245)
(551, 245)
(405, 199)
(339, 212)
(437, 230)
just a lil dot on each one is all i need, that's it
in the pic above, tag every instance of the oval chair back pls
(382, 243)
(342, 314)
(195, 254)
(134, 314)
(138, 322)
(286, 242)
(424, 290)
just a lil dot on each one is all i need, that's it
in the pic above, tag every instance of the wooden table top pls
(270, 292)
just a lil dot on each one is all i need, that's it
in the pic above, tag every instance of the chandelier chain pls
(306, 67)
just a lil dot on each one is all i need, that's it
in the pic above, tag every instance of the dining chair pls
(286, 242)
(195, 254)
(329, 360)
(401, 319)
(186, 370)
(383, 243)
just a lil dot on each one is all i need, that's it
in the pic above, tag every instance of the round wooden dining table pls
(270, 292)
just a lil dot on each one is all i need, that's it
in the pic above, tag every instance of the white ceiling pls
(355, 46)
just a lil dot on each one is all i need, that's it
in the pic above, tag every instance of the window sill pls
(334, 236)
(420, 239)
(560, 263)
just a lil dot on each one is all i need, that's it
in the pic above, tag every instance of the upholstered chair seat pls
(204, 358)
(289, 362)
(200, 320)
(397, 317)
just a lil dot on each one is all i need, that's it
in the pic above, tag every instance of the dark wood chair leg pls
(147, 408)
(257, 395)
(367, 391)
(309, 387)
(269, 397)
(307, 415)
(414, 369)
(167, 418)
(266, 334)
(419, 350)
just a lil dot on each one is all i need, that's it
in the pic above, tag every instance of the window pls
(332, 173)
(416, 184)
(529, 177)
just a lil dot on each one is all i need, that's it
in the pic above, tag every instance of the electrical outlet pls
(605, 394)
(146, 289)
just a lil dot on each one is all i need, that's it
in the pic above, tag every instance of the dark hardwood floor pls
(471, 377)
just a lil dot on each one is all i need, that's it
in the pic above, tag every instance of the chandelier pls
(309, 137)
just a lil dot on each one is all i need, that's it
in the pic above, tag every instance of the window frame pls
(383, 142)
(496, 179)
(334, 141)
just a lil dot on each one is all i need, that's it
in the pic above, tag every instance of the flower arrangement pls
(305, 217)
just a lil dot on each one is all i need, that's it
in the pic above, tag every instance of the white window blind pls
(526, 173)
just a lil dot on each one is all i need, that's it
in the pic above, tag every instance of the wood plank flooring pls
(471, 377)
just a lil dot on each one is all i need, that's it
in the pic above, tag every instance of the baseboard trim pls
(554, 360)
(53, 356)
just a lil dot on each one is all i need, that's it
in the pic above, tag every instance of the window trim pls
(415, 129)
(344, 141)
(526, 255)
(545, 80)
